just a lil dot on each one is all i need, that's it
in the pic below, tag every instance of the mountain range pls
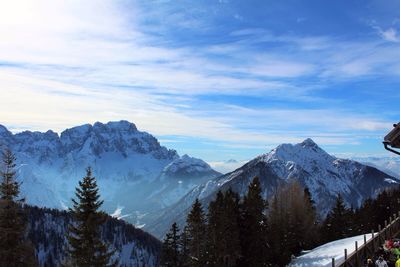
(323, 174)
(137, 176)
(152, 186)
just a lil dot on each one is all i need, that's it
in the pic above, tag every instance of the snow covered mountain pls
(137, 176)
(323, 174)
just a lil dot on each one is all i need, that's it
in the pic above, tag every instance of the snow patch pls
(322, 255)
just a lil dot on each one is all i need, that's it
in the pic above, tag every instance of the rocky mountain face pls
(324, 175)
(137, 176)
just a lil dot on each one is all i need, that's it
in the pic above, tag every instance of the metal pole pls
(333, 262)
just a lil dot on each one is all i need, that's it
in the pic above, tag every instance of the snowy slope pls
(324, 175)
(322, 255)
(137, 176)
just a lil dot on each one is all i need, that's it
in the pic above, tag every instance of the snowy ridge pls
(187, 166)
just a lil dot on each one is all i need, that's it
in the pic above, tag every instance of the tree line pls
(343, 221)
(251, 231)
(237, 232)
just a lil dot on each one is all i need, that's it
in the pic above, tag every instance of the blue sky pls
(214, 79)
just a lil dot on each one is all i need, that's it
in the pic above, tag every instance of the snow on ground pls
(322, 255)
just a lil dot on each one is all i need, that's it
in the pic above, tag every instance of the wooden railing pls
(357, 258)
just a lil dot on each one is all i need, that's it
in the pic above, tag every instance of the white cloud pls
(390, 35)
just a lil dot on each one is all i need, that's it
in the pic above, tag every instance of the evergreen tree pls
(383, 207)
(254, 227)
(171, 255)
(215, 230)
(223, 242)
(231, 240)
(184, 244)
(14, 250)
(196, 225)
(86, 248)
(338, 222)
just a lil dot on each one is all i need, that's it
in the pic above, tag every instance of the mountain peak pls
(308, 143)
(304, 153)
(121, 125)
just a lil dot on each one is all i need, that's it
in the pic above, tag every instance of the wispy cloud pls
(67, 63)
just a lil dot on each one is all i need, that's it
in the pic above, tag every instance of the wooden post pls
(333, 262)
(365, 247)
(345, 257)
(373, 240)
(356, 245)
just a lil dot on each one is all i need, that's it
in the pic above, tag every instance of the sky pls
(216, 79)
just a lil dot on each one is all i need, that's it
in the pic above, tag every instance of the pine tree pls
(215, 230)
(338, 222)
(254, 227)
(171, 255)
(231, 239)
(14, 249)
(196, 225)
(223, 242)
(86, 247)
(184, 245)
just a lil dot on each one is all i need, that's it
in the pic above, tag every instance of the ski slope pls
(322, 255)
